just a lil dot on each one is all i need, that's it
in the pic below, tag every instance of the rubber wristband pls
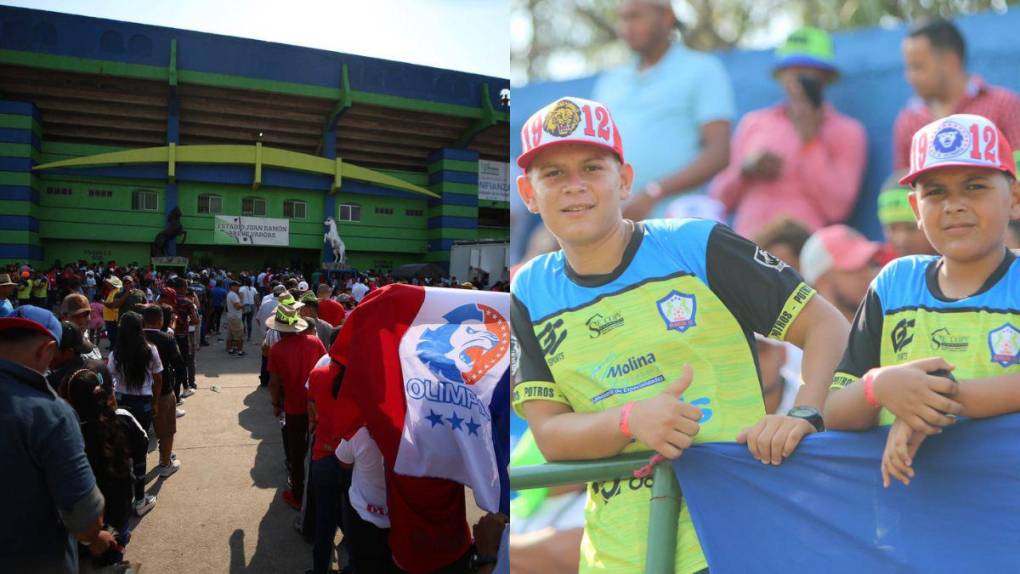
(869, 388)
(625, 419)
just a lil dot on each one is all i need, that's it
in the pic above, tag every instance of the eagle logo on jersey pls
(474, 340)
(1004, 343)
(562, 119)
(950, 141)
(677, 310)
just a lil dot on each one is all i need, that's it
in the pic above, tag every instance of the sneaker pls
(181, 412)
(291, 500)
(231, 352)
(241, 353)
(180, 402)
(187, 393)
(169, 469)
(143, 506)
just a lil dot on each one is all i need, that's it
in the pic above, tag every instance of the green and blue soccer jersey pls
(686, 291)
(905, 317)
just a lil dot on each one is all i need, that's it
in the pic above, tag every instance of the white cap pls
(302, 286)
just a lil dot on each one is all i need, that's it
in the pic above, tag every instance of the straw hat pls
(286, 319)
(115, 282)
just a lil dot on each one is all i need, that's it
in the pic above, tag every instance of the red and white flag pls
(427, 371)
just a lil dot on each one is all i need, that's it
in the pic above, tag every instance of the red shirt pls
(291, 360)
(819, 181)
(331, 312)
(997, 104)
(320, 392)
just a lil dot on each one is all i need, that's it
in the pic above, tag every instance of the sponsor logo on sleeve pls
(769, 260)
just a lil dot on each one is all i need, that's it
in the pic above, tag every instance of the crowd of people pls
(786, 181)
(106, 358)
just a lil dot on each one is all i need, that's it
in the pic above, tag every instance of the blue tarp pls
(825, 511)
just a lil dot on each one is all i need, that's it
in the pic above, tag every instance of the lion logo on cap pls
(562, 119)
(950, 140)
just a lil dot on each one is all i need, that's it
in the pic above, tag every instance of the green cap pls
(893, 205)
(808, 47)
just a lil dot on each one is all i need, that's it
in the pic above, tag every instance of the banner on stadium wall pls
(825, 510)
(493, 180)
(235, 230)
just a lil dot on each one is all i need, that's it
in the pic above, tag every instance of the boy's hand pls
(919, 399)
(775, 437)
(665, 423)
(900, 448)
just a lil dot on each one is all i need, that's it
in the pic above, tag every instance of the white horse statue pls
(332, 238)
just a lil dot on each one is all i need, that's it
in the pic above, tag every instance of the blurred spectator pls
(800, 158)
(7, 288)
(840, 263)
(672, 105)
(164, 421)
(137, 374)
(329, 310)
(784, 238)
(52, 490)
(76, 309)
(899, 225)
(935, 58)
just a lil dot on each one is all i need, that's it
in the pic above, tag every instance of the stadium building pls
(121, 141)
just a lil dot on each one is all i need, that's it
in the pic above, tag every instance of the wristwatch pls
(810, 414)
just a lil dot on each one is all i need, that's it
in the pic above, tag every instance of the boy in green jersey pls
(639, 336)
(925, 317)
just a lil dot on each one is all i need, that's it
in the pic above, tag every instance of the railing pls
(665, 510)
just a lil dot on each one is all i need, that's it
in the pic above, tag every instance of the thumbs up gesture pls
(664, 422)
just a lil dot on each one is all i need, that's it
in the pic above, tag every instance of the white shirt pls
(368, 482)
(266, 310)
(119, 386)
(247, 295)
(233, 299)
(358, 291)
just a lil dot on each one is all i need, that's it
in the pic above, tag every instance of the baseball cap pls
(35, 318)
(808, 47)
(836, 247)
(278, 289)
(302, 286)
(72, 338)
(966, 140)
(893, 202)
(569, 120)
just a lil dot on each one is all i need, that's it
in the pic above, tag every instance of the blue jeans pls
(327, 487)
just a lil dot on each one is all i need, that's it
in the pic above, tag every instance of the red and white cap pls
(569, 120)
(836, 247)
(959, 140)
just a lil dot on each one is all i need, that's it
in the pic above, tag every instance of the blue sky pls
(466, 35)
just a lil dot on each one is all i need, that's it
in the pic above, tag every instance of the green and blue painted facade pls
(62, 197)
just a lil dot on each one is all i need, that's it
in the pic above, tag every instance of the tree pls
(550, 36)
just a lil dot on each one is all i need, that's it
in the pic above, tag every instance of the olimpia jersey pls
(686, 291)
(905, 317)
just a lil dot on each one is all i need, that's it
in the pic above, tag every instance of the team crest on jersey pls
(950, 141)
(475, 338)
(562, 119)
(1004, 344)
(678, 310)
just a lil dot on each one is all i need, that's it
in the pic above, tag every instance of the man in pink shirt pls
(934, 54)
(800, 158)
